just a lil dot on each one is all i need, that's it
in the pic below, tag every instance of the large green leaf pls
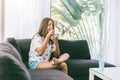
(85, 19)
(73, 8)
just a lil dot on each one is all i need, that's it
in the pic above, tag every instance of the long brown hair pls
(42, 31)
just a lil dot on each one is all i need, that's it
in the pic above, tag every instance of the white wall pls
(22, 17)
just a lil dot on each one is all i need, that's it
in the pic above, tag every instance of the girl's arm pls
(57, 51)
(40, 50)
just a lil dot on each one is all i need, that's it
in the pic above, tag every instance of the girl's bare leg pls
(62, 58)
(63, 67)
(46, 65)
(50, 65)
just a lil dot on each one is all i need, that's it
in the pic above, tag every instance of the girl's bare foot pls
(61, 59)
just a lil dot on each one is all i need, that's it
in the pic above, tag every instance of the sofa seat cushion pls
(11, 65)
(48, 74)
(80, 67)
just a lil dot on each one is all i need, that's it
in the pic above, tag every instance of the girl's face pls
(50, 26)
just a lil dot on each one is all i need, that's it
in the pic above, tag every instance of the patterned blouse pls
(37, 40)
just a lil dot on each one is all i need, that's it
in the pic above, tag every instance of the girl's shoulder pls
(37, 36)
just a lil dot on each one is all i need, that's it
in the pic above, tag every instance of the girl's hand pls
(50, 33)
(55, 38)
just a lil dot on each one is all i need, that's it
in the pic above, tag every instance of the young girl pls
(43, 44)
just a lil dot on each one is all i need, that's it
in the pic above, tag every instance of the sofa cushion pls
(23, 46)
(14, 43)
(48, 74)
(78, 49)
(11, 65)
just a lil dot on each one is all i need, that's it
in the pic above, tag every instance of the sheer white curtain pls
(117, 28)
(22, 17)
(1, 29)
(113, 49)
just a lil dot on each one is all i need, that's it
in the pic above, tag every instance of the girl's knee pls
(63, 64)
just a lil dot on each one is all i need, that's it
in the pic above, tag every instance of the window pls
(82, 19)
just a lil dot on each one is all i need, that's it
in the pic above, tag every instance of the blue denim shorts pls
(33, 64)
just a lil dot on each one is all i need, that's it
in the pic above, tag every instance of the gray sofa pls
(13, 64)
(78, 64)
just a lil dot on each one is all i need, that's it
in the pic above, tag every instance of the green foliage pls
(79, 19)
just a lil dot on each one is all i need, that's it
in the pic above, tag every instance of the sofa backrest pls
(23, 47)
(78, 49)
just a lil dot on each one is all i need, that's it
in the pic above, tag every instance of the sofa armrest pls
(23, 47)
(14, 43)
